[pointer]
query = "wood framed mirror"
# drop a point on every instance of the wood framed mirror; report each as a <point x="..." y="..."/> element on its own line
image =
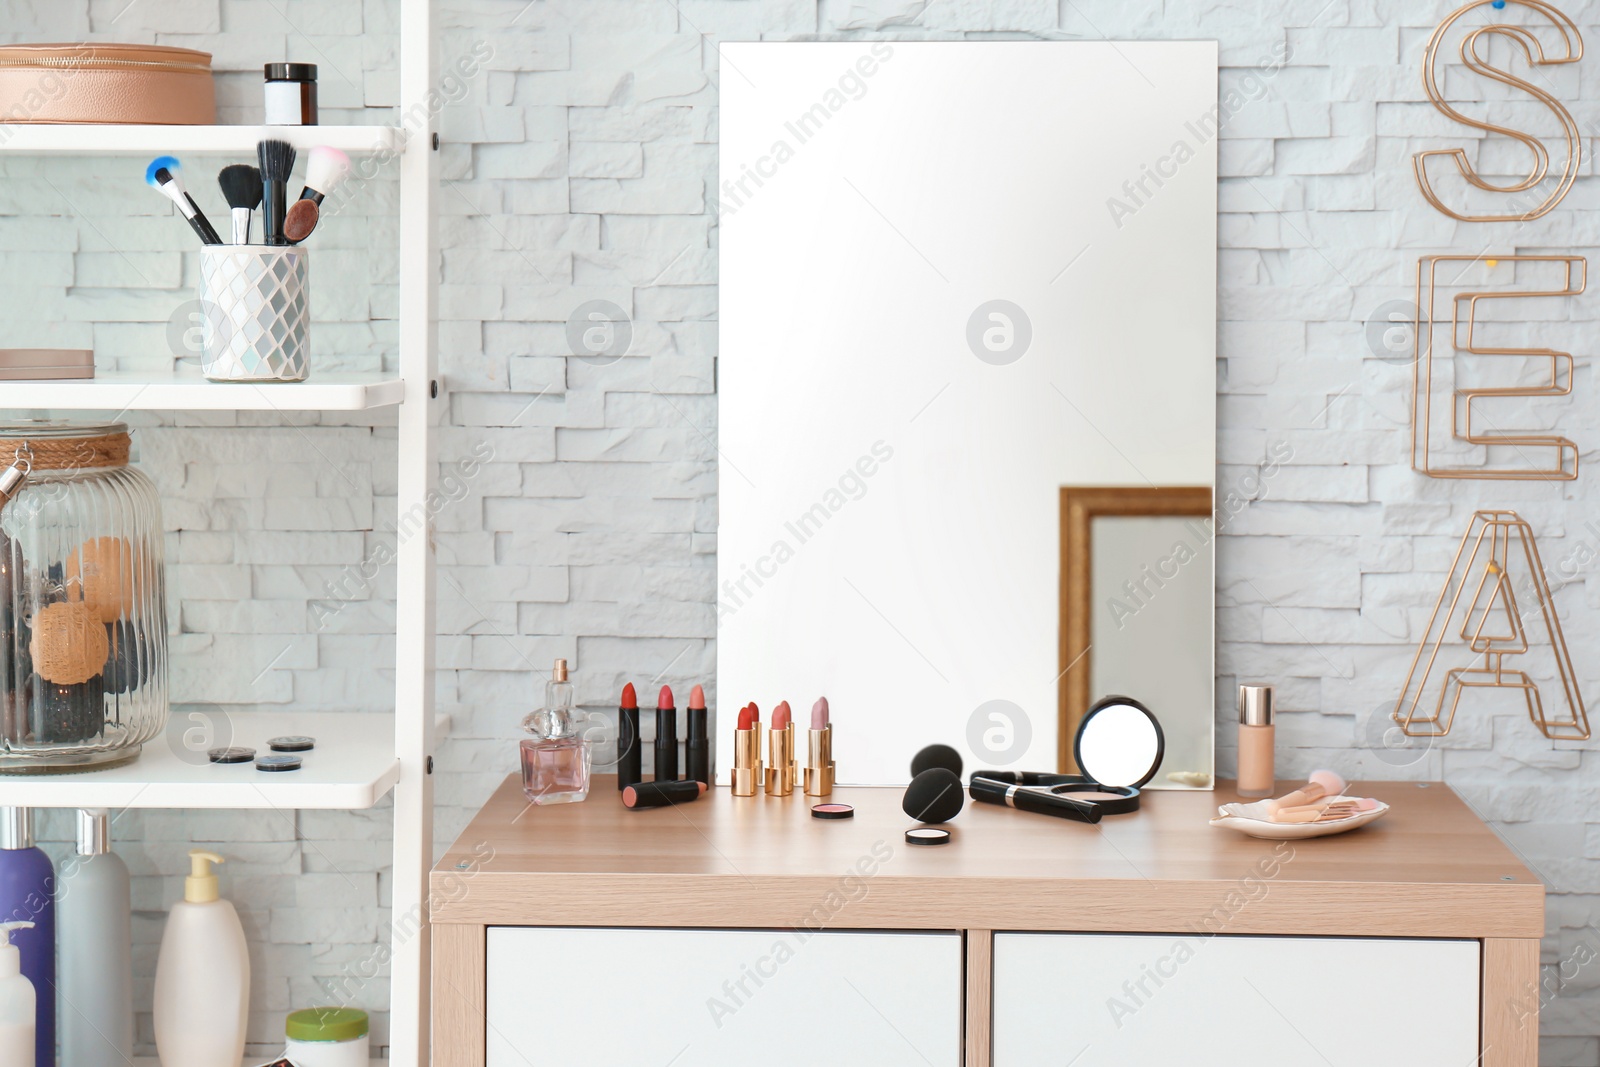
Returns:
<point x="1137" y="616"/>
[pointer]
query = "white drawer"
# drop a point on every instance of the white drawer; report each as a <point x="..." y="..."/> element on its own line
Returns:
<point x="722" y="998"/>
<point x="1108" y="1000"/>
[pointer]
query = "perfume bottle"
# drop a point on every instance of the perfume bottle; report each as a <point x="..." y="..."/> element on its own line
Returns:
<point x="555" y="757"/>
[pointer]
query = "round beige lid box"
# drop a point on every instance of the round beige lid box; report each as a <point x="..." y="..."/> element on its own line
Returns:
<point x="104" y="82"/>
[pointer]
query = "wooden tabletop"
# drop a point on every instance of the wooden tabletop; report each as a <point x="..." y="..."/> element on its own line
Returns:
<point x="1428" y="868"/>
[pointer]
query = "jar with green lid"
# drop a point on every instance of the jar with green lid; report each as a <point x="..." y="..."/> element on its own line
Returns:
<point x="327" y="1037"/>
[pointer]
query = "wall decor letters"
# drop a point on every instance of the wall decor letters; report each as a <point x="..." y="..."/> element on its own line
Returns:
<point x="1478" y="606"/>
<point x="1474" y="53"/>
<point x="1467" y="377"/>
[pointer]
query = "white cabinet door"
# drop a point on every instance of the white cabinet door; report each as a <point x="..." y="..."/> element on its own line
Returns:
<point x="1109" y="1000"/>
<point x="722" y="998"/>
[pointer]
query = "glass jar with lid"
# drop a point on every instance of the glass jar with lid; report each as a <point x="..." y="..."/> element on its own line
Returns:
<point x="83" y="631"/>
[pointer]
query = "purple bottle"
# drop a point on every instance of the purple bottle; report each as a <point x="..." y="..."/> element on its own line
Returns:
<point x="28" y="893"/>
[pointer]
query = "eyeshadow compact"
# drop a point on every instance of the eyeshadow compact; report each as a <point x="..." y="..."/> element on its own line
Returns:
<point x="1118" y="748"/>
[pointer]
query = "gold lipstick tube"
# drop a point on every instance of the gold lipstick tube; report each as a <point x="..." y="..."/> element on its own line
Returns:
<point x="819" y="771"/>
<point x="747" y="762"/>
<point x="781" y="768"/>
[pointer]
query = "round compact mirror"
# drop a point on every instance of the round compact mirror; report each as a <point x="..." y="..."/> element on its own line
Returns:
<point x="1119" y="742"/>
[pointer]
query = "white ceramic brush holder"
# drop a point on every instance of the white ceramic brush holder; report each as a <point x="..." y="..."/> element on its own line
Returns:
<point x="257" y="313"/>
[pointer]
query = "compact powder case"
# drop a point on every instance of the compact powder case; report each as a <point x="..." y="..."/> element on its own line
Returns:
<point x="1118" y="748"/>
<point x="1119" y="742"/>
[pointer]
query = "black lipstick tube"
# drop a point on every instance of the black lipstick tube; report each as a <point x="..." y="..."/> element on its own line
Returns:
<point x="697" y="749"/>
<point x="666" y="744"/>
<point x="660" y="794"/>
<point x="629" y="750"/>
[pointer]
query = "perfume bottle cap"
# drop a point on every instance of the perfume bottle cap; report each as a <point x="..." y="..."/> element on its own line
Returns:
<point x="1255" y="705"/>
<point x="560" y="673"/>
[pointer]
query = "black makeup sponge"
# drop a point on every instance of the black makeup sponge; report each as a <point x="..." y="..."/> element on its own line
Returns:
<point x="936" y="756"/>
<point x="935" y="795"/>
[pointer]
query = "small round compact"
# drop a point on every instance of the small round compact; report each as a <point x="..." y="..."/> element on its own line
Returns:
<point x="927" y="835"/>
<point x="231" y="754"/>
<point x="1119" y="742"/>
<point x="292" y="744"/>
<point x="277" y="763"/>
<point x="832" y="811"/>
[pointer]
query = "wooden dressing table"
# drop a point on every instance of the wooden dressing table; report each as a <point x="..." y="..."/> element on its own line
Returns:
<point x="740" y="930"/>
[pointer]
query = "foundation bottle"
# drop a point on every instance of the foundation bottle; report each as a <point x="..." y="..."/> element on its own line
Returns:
<point x="1256" y="729"/>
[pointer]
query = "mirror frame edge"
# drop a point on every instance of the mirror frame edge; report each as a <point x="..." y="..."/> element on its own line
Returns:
<point x="1080" y="506"/>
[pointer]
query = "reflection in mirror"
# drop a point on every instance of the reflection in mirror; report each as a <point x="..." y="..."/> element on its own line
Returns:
<point x="1119" y="744"/>
<point x="937" y="306"/>
<point x="1136" y="615"/>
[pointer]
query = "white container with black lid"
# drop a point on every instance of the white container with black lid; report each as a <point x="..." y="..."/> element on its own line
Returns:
<point x="291" y="94"/>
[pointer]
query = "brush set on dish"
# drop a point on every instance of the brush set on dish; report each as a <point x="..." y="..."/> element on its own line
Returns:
<point x="264" y="186"/>
<point x="1316" y="809"/>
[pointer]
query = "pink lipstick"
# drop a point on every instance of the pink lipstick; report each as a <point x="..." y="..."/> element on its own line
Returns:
<point x="781" y="771"/>
<point x="819" y="769"/>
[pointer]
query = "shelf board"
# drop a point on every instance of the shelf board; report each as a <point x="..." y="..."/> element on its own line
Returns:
<point x="249" y="1061"/>
<point x="185" y="390"/>
<point x="353" y="766"/>
<point x="100" y="139"/>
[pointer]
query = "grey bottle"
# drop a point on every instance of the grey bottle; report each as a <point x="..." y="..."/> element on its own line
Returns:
<point x="95" y="945"/>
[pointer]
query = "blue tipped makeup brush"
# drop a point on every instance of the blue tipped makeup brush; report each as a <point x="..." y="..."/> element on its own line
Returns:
<point x="162" y="174"/>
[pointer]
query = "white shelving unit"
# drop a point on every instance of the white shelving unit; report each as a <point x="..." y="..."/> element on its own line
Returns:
<point x="360" y="757"/>
<point x="186" y="390"/>
<point x="74" y="140"/>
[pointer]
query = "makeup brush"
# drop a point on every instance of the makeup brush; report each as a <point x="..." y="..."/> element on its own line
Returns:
<point x="326" y="170"/>
<point x="241" y="188"/>
<point x="277" y="160"/>
<point x="162" y="175"/>
<point x="1320" y="784"/>
<point x="301" y="220"/>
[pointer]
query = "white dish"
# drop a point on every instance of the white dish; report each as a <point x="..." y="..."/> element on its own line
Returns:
<point x="1243" y="818"/>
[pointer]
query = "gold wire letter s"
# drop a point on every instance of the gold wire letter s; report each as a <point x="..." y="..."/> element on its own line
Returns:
<point x="1473" y="48"/>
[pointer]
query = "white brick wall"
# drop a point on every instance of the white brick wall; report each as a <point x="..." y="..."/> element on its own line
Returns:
<point x="577" y="166"/>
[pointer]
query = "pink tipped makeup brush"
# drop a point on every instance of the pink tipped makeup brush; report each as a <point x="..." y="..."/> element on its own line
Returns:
<point x="1321" y="784"/>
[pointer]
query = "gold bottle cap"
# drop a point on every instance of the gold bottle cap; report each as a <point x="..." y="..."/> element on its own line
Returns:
<point x="1255" y="705"/>
<point x="560" y="673"/>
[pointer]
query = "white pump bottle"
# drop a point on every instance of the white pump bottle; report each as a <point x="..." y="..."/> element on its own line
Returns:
<point x="202" y="976"/>
<point x="18" y="1003"/>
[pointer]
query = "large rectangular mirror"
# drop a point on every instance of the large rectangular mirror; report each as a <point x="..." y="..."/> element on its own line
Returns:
<point x="955" y="278"/>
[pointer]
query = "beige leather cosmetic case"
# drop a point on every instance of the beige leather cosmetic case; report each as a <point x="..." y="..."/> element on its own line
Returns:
<point x="120" y="83"/>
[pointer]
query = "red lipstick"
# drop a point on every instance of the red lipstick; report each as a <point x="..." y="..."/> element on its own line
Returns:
<point x="629" y="751"/>
<point x="697" y="748"/>
<point x="666" y="737"/>
<point x="747" y="752"/>
<point x="819" y="769"/>
<point x="781" y="770"/>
